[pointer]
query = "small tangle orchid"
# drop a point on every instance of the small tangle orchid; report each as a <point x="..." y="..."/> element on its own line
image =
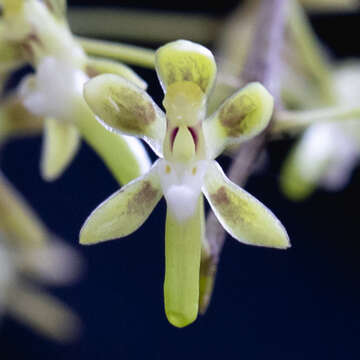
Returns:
<point x="187" y="144"/>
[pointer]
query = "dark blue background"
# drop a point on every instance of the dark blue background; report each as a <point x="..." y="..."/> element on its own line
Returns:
<point x="298" y="304"/>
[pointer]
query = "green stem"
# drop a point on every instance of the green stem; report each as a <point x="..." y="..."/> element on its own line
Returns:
<point x="261" y="65"/>
<point x="295" y="121"/>
<point x="126" y="53"/>
<point x="311" y="51"/>
<point x="144" y="26"/>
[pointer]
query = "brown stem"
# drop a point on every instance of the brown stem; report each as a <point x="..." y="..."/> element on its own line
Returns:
<point x="262" y="65"/>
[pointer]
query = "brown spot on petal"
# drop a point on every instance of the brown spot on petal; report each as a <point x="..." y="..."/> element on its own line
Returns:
<point x="91" y="71"/>
<point x="220" y="197"/>
<point x="139" y="204"/>
<point x="132" y="113"/>
<point x="233" y="115"/>
<point x="232" y="207"/>
<point x="49" y="5"/>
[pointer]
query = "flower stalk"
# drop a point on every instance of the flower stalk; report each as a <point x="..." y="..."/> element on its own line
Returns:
<point x="129" y="54"/>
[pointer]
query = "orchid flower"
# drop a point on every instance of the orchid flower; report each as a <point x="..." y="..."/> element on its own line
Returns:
<point x="328" y="151"/>
<point x="30" y="257"/>
<point x="54" y="92"/>
<point x="187" y="145"/>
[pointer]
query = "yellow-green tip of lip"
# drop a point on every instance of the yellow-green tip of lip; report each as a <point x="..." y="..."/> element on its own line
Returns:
<point x="181" y="320"/>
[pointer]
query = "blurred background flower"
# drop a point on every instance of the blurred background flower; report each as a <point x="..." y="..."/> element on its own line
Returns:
<point x="29" y="257"/>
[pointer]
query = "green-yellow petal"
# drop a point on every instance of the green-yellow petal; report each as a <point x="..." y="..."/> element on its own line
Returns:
<point x="125" y="107"/>
<point x="183" y="60"/>
<point x="293" y="185"/>
<point x="104" y="66"/>
<point x="241" y="117"/>
<point x="60" y="145"/>
<point x="17" y="220"/>
<point x="183" y="241"/>
<point x="242" y="216"/>
<point x="124" y="212"/>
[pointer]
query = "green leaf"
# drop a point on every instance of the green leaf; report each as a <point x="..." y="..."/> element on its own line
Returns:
<point x="184" y="60"/>
<point x="17" y="220"/>
<point x="183" y="252"/>
<point x="241" y="117"/>
<point x="124" y="212"/>
<point x="104" y="66"/>
<point x="61" y="142"/>
<point x="125" y="107"/>
<point x="242" y="216"/>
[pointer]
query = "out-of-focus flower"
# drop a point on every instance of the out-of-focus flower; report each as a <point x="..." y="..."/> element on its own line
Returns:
<point x="30" y="258"/>
<point x="187" y="145"/>
<point x="313" y="91"/>
<point x="40" y="32"/>
<point x="330" y="5"/>
<point x="16" y="121"/>
<point x="304" y="76"/>
<point x="10" y="58"/>
<point x="327" y="152"/>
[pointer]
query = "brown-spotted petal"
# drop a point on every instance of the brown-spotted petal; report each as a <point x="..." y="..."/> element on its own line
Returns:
<point x="241" y="117"/>
<point x="125" y="211"/>
<point x="123" y="106"/>
<point x="242" y="216"/>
